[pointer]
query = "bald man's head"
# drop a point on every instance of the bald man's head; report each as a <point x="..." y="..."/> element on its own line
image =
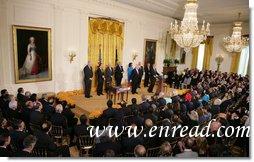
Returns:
<point x="140" y="151"/>
<point x="166" y="148"/>
<point x="148" y="123"/>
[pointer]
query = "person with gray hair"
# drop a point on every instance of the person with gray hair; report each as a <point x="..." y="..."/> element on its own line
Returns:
<point x="58" y="119"/>
<point x="144" y="105"/>
<point x="28" y="144"/>
<point x="36" y="116"/>
<point x="166" y="149"/>
<point x="186" y="149"/>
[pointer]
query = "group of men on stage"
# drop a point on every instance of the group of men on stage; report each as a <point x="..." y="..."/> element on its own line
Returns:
<point x="150" y="77"/>
<point x="106" y="77"/>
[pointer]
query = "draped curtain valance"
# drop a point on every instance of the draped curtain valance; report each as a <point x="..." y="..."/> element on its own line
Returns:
<point x="106" y="26"/>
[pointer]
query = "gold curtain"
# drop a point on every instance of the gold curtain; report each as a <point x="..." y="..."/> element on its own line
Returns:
<point x="194" y="57"/>
<point x="173" y="48"/>
<point x="108" y="35"/>
<point x="235" y="62"/>
<point x="208" y="52"/>
<point x="105" y="36"/>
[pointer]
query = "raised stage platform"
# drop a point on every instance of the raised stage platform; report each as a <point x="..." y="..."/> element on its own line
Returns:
<point x="95" y="105"/>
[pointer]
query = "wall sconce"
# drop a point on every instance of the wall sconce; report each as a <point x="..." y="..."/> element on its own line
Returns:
<point x="134" y="55"/>
<point x="72" y="55"/>
<point x="219" y="59"/>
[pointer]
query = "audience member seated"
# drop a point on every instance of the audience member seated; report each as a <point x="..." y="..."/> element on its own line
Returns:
<point x="18" y="134"/>
<point x="45" y="141"/>
<point x="166" y="149"/>
<point x="81" y="129"/>
<point x="48" y="109"/>
<point x="105" y="144"/>
<point x="4" y="102"/>
<point x="144" y="105"/>
<point x="109" y="153"/>
<point x="140" y="151"/>
<point x="25" y="113"/>
<point x="13" y="112"/>
<point x="36" y="116"/>
<point x="28" y="146"/>
<point x="21" y="98"/>
<point x="129" y="143"/>
<point x="58" y="119"/>
<point x="150" y="113"/>
<point x="186" y="149"/>
<point x="133" y="106"/>
<point x="161" y="100"/>
<point x="110" y="112"/>
<point x="4" y="127"/>
<point x="69" y="115"/>
<point x="5" y="140"/>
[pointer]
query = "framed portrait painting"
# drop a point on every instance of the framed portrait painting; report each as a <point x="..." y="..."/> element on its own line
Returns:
<point x="150" y="51"/>
<point x="182" y="56"/>
<point x="32" y="54"/>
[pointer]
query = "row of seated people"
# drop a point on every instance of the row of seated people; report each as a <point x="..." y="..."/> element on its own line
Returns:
<point x="224" y="97"/>
<point x="195" y="77"/>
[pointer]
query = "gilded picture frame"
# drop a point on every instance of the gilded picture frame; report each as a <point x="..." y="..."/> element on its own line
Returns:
<point x="32" y="54"/>
<point x="150" y="46"/>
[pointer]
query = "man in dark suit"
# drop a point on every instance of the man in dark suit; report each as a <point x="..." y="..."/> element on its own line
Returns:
<point x="5" y="140"/>
<point x="144" y="105"/>
<point x="141" y="72"/>
<point x="135" y="80"/>
<point x="25" y="113"/>
<point x="58" y="119"/>
<point x="118" y="74"/>
<point x="69" y="115"/>
<point x="109" y="72"/>
<point x="133" y="106"/>
<point x="18" y="134"/>
<point x="110" y="112"/>
<point x="48" y="108"/>
<point x="147" y="74"/>
<point x="4" y="102"/>
<point x="100" y="79"/>
<point x="129" y="143"/>
<point x="105" y="144"/>
<point x="36" y="116"/>
<point x="153" y="75"/>
<point x="45" y="141"/>
<point x="28" y="146"/>
<point x="81" y="129"/>
<point x="21" y="98"/>
<point x="88" y="76"/>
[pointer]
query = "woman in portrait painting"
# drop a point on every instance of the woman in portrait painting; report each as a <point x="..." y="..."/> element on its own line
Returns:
<point x="31" y="64"/>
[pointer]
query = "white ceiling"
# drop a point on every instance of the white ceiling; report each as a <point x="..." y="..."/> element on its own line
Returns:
<point x="213" y="11"/>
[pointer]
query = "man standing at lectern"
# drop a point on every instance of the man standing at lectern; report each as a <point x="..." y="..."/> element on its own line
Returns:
<point x="88" y="76"/>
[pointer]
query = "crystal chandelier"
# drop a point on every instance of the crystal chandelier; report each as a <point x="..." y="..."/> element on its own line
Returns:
<point x="235" y="42"/>
<point x="188" y="35"/>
